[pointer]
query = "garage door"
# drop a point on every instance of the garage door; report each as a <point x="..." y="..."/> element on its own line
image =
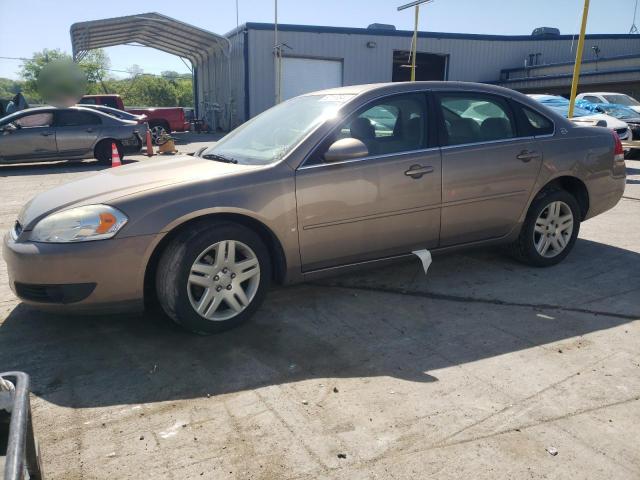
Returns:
<point x="303" y="75"/>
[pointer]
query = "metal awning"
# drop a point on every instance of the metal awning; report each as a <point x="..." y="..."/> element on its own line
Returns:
<point x="148" y="29"/>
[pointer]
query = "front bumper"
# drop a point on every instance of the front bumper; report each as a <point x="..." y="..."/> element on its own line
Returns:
<point x="99" y="276"/>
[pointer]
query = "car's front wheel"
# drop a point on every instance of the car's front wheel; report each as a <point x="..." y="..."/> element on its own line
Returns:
<point x="550" y="229"/>
<point x="213" y="277"/>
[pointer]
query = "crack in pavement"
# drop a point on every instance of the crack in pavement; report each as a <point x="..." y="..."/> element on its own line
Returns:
<point x="486" y="301"/>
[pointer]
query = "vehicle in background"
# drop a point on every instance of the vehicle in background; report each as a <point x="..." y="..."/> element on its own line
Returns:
<point x="310" y="188"/>
<point x="160" y="119"/>
<point x="621" y="112"/>
<point x="74" y="133"/>
<point x="611" y="97"/>
<point x="114" y="112"/>
<point x="582" y="116"/>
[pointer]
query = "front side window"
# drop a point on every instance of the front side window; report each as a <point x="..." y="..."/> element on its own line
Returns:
<point x="35" y="120"/>
<point x="473" y="118"/>
<point x="395" y="124"/>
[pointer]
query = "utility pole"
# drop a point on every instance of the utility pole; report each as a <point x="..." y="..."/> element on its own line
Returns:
<point x="277" y="49"/>
<point x="414" y="41"/>
<point x="578" y="64"/>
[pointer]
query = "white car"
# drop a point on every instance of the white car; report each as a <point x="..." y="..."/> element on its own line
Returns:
<point x="611" y="97"/>
<point x="582" y="116"/>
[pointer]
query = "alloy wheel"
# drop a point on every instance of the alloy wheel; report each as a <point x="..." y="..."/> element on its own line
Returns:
<point x="156" y="132"/>
<point x="553" y="229"/>
<point x="223" y="280"/>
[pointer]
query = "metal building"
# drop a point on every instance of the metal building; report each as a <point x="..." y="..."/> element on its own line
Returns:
<point x="235" y="74"/>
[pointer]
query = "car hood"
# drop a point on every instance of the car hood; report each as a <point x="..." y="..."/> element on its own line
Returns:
<point x="118" y="182"/>
<point x="612" y="122"/>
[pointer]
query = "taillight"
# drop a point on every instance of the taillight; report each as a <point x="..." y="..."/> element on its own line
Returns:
<point x="618" y="151"/>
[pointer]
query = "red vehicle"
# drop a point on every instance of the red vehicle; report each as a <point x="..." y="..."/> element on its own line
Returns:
<point x="160" y="119"/>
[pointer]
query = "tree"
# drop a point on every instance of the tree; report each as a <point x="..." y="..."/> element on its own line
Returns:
<point x="95" y="65"/>
<point x="31" y="69"/>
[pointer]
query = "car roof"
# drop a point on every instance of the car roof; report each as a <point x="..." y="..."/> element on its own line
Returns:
<point x="603" y="93"/>
<point x="51" y="109"/>
<point x="404" y="86"/>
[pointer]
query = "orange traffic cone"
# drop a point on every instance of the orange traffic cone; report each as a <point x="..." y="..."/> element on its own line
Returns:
<point x="115" y="156"/>
<point x="149" y="144"/>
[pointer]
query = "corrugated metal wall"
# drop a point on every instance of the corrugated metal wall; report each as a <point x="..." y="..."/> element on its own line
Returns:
<point x="220" y="83"/>
<point x="469" y="59"/>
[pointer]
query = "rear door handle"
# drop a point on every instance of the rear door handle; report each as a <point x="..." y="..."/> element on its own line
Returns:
<point x="417" y="171"/>
<point x="527" y="155"/>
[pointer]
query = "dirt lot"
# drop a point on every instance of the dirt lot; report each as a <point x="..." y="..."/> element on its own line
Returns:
<point x="471" y="372"/>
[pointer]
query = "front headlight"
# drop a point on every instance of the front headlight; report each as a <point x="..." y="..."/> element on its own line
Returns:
<point x="81" y="224"/>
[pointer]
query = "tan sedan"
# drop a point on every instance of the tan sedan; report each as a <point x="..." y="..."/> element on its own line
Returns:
<point x="317" y="185"/>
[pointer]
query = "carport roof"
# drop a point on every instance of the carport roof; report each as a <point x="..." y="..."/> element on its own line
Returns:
<point x="148" y="29"/>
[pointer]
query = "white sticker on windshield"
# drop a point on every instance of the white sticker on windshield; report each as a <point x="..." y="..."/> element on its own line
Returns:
<point x="336" y="98"/>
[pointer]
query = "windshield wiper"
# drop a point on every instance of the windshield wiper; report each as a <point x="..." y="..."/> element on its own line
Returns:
<point x="219" y="158"/>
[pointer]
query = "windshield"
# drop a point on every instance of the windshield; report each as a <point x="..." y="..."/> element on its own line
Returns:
<point x="622" y="100"/>
<point x="271" y="135"/>
<point x="561" y="105"/>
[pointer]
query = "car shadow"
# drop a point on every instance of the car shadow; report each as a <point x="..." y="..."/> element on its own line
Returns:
<point x="387" y="322"/>
<point x="49" y="168"/>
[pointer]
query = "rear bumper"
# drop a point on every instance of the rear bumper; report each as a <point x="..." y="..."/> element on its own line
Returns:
<point x="92" y="277"/>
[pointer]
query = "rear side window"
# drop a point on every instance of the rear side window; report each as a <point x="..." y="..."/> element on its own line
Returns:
<point x="536" y="123"/>
<point x="72" y="118"/>
<point x="592" y="99"/>
<point x="109" y="102"/>
<point x="475" y="118"/>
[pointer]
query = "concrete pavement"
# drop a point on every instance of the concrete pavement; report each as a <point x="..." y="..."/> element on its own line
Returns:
<point x="475" y="371"/>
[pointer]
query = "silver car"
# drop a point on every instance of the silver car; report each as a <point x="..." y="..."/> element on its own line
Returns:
<point x="318" y="185"/>
<point x="75" y="133"/>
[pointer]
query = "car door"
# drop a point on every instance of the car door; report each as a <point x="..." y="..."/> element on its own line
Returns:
<point x="383" y="204"/>
<point x="488" y="167"/>
<point x="29" y="137"/>
<point x="76" y="132"/>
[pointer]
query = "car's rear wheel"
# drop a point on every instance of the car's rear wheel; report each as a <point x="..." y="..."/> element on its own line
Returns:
<point x="213" y="277"/>
<point x="550" y="229"/>
<point x="157" y="130"/>
<point x="102" y="151"/>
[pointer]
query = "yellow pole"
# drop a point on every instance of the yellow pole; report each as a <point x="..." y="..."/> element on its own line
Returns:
<point x="414" y="45"/>
<point x="576" y="66"/>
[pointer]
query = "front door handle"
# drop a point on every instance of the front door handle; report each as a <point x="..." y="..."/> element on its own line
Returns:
<point x="89" y="130"/>
<point x="417" y="171"/>
<point x="527" y="155"/>
<point x="46" y="134"/>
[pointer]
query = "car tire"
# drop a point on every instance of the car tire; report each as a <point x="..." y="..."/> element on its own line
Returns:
<point x="102" y="151"/>
<point x="547" y="224"/>
<point x="196" y="271"/>
<point x="157" y="130"/>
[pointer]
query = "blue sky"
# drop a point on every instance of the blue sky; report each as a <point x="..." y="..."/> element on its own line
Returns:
<point x="45" y="23"/>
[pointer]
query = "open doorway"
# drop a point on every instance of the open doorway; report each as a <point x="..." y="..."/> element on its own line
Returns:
<point x="429" y="66"/>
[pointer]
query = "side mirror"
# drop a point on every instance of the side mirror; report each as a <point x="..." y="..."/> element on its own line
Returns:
<point x="601" y="123"/>
<point x="346" y="149"/>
